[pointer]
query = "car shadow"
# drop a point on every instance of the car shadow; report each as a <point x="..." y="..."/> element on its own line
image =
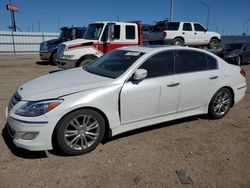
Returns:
<point x="23" y="153"/>
<point x="153" y="127"/>
<point x="45" y="63"/>
<point x="20" y="152"/>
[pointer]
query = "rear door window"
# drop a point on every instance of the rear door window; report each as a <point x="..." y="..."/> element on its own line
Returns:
<point x="130" y="32"/>
<point x="190" y="61"/>
<point x="173" y="26"/>
<point x="187" y="27"/>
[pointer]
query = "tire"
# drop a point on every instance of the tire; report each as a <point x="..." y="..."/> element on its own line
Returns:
<point x="79" y="132"/>
<point x="53" y="59"/>
<point x="178" y="42"/>
<point x="220" y="104"/>
<point x="239" y="60"/>
<point x="85" y="62"/>
<point x="214" y="42"/>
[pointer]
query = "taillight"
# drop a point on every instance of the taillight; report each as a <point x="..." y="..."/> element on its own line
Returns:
<point x="165" y="34"/>
<point x="243" y="73"/>
<point x="72" y="46"/>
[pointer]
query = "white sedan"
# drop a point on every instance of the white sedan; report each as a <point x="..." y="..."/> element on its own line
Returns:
<point x="126" y="89"/>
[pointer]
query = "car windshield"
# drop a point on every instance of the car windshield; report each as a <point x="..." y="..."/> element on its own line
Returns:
<point x="113" y="64"/>
<point x="93" y="32"/>
<point x="235" y="46"/>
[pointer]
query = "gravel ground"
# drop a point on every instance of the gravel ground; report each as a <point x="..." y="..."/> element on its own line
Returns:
<point x="213" y="153"/>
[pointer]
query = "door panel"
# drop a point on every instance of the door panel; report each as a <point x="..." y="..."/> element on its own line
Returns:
<point x="196" y="89"/>
<point x="170" y="93"/>
<point x="139" y="100"/>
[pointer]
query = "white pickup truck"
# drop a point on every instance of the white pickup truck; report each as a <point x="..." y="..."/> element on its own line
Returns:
<point x="183" y="33"/>
<point x="100" y="37"/>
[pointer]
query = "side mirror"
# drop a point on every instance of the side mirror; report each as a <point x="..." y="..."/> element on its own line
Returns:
<point x="111" y="31"/>
<point x="140" y="74"/>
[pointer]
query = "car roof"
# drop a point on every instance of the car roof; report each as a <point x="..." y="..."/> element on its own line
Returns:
<point x="158" y="48"/>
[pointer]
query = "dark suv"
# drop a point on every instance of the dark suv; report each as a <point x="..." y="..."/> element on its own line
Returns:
<point x="48" y="48"/>
<point x="237" y="53"/>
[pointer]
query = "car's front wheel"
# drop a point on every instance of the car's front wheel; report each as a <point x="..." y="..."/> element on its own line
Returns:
<point x="220" y="104"/>
<point x="80" y="132"/>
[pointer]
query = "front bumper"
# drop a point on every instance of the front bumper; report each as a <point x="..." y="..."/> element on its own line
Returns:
<point x="66" y="64"/>
<point x="41" y="130"/>
<point x="45" y="55"/>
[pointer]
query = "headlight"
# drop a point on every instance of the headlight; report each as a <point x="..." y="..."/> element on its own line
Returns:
<point x="68" y="56"/>
<point x="32" y="109"/>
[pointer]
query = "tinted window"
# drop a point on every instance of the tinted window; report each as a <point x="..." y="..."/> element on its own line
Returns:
<point x="211" y="62"/>
<point x="190" y="61"/>
<point x="130" y="32"/>
<point x="161" y="64"/>
<point x="198" y="27"/>
<point x="173" y="26"/>
<point x="117" y="32"/>
<point x="187" y="27"/>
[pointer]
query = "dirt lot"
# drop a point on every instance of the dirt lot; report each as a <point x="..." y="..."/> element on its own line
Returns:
<point x="212" y="153"/>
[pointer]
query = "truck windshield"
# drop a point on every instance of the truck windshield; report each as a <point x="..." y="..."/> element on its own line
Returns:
<point x="113" y="64"/>
<point x="64" y="34"/>
<point x="93" y="32"/>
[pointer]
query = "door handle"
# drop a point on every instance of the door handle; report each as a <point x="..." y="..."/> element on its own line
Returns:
<point x="173" y="84"/>
<point x="183" y="32"/>
<point x="195" y="33"/>
<point x="213" y="77"/>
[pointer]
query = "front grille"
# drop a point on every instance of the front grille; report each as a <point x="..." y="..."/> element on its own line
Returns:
<point x="14" y="100"/>
<point x="60" y="51"/>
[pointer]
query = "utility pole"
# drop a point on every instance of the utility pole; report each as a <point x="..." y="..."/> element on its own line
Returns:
<point x="244" y="25"/>
<point x="171" y="10"/>
<point x="38" y="23"/>
<point x="208" y="12"/>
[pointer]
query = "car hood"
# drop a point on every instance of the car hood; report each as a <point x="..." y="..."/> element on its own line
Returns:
<point x="61" y="83"/>
<point x="78" y="41"/>
<point x="54" y="41"/>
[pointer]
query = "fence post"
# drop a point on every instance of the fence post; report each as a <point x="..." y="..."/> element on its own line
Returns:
<point x="43" y="36"/>
<point x="13" y="42"/>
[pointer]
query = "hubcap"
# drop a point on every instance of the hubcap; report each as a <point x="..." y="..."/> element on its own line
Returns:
<point x="221" y="103"/>
<point x="81" y="132"/>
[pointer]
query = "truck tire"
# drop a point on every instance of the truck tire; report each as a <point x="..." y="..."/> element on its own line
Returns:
<point x="85" y="61"/>
<point x="214" y="42"/>
<point x="178" y="41"/>
<point x="53" y="58"/>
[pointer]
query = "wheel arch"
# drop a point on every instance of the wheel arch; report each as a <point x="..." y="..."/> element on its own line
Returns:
<point x="180" y="37"/>
<point x="108" y="131"/>
<point x="215" y="37"/>
<point x="85" y="57"/>
<point x="54" y="51"/>
<point x="231" y="91"/>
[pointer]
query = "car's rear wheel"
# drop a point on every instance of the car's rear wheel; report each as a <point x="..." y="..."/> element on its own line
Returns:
<point x="178" y="42"/>
<point x="80" y="132"/>
<point x="220" y="104"/>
